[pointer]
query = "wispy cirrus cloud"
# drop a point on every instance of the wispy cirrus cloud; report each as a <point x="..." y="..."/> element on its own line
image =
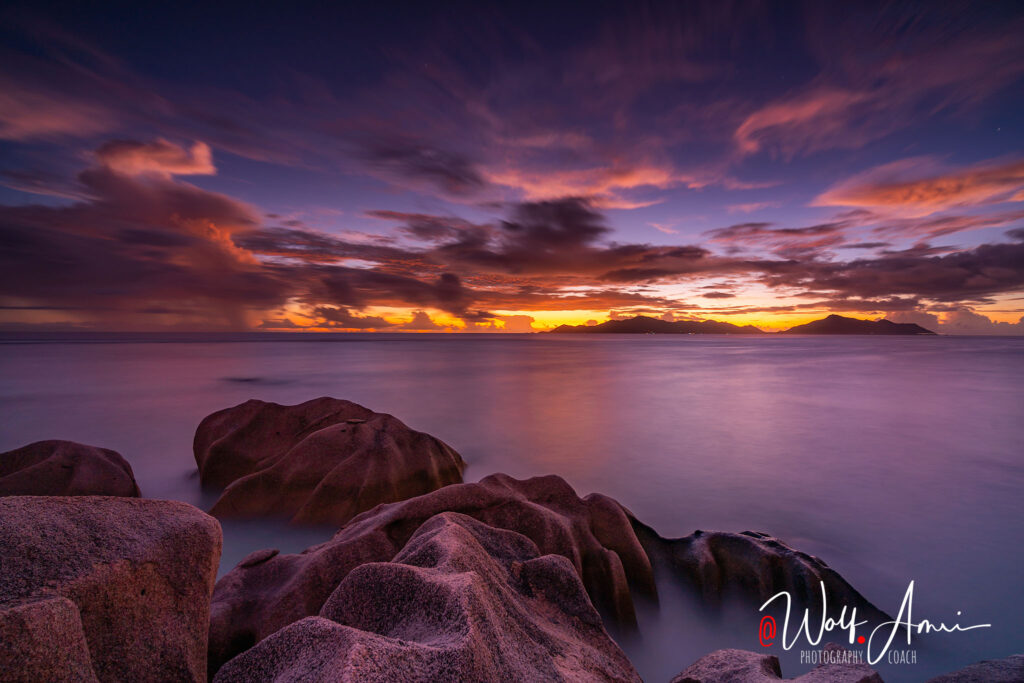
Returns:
<point x="920" y="187"/>
<point x="877" y="77"/>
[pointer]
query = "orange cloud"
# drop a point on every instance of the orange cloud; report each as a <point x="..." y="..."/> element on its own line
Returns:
<point x="27" y="114"/>
<point x="159" y="157"/>
<point x="605" y="185"/>
<point x="906" y="188"/>
<point x="807" y="121"/>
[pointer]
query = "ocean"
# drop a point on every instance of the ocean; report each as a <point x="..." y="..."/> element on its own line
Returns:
<point x="894" y="459"/>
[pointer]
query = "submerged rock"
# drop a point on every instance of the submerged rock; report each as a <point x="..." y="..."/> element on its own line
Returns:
<point x="742" y="666"/>
<point x="136" y="574"/>
<point x="751" y="566"/>
<point x="65" y="468"/>
<point x="1008" y="670"/>
<point x="320" y="462"/>
<point x="461" y="601"/>
<point x="266" y="592"/>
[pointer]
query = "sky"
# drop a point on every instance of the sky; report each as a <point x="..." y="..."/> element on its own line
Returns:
<point x="478" y="167"/>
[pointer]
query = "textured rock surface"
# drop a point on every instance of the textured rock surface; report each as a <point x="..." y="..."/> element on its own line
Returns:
<point x="65" y="468"/>
<point x="1008" y="670"/>
<point x="462" y="601"/>
<point x="42" y="640"/>
<point x="742" y="666"/>
<point x="319" y="462"/>
<point x="266" y="592"/>
<point x="139" y="572"/>
<point x="752" y="566"/>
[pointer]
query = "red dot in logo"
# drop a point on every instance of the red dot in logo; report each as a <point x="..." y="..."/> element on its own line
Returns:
<point x="860" y="639"/>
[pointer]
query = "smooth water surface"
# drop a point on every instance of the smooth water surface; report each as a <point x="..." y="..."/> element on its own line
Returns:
<point x="893" y="459"/>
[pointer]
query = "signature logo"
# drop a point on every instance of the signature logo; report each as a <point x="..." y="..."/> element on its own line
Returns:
<point x="766" y="632"/>
<point x="878" y="641"/>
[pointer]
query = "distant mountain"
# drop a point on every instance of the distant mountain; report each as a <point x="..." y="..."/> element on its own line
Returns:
<point x="837" y="324"/>
<point x="642" y="324"/>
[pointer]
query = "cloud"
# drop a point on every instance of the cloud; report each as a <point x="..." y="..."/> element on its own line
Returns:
<point x="333" y="316"/>
<point x="422" y="322"/>
<point x="668" y="230"/>
<point x="449" y="172"/>
<point x="160" y="157"/>
<point x="606" y="187"/>
<point x="959" y="320"/>
<point x="884" y="71"/>
<point x="751" y="207"/>
<point x="912" y="187"/>
<point x="790" y="243"/>
<point x="29" y="113"/>
<point x="966" y="321"/>
<point x="279" y="324"/>
<point x="138" y="243"/>
<point x="971" y="274"/>
<point x="807" y="122"/>
<point x="146" y="248"/>
<point x="518" y="323"/>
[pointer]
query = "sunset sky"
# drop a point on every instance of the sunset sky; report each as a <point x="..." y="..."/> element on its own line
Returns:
<point x="479" y="167"/>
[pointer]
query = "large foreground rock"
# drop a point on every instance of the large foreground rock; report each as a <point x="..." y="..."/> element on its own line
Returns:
<point x="320" y="462"/>
<point x="462" y="601"/>
<point x="65" y="468"/>
<point x="742" y="666"/>
<point x="42" y="640"/>
<point x="1008" y="670"/>
<point x="754" y="567"/>
<point x="268" y="591"/>
<point x="131" y="577"/>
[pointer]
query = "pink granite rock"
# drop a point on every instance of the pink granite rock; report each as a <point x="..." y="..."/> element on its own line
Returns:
<point x="42" y="640"/>
<point x="752" y="566"/>
<point x="266" y="592"/>
<point x="462" y="601"/>
<point x="140" y="573"/>
<point x="65" y="468"/>
<point x="742" y="666"/>
<point x="320" y="462"/>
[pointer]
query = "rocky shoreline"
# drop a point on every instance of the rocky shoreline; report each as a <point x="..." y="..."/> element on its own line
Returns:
<point x="427" y="578"/>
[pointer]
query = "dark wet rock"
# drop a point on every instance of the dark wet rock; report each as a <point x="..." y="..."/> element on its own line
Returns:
<point x="65" y="468"/>
<point x="752" y="566"/>
<point x="138" y="572"/>
<point x="742" y="666"/>
<point x="462" y="601"/>
<point x="42" y="640"/>
<point x="1008" y="670"/>
<point x="593" y="533"/>
<point x="320" y="462"/>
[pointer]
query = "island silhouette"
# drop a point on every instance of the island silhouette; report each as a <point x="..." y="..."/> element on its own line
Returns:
<point x="837" y="324"/>
<point x="833" y="324"/>
<point x="643" y="324"/>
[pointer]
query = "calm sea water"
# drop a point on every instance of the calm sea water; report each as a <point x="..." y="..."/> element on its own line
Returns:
<point x="893" y="459"/>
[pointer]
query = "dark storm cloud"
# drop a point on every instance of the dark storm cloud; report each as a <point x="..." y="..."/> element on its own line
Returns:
<point x="961" y="276"/>
<point x="342" y="317"/>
